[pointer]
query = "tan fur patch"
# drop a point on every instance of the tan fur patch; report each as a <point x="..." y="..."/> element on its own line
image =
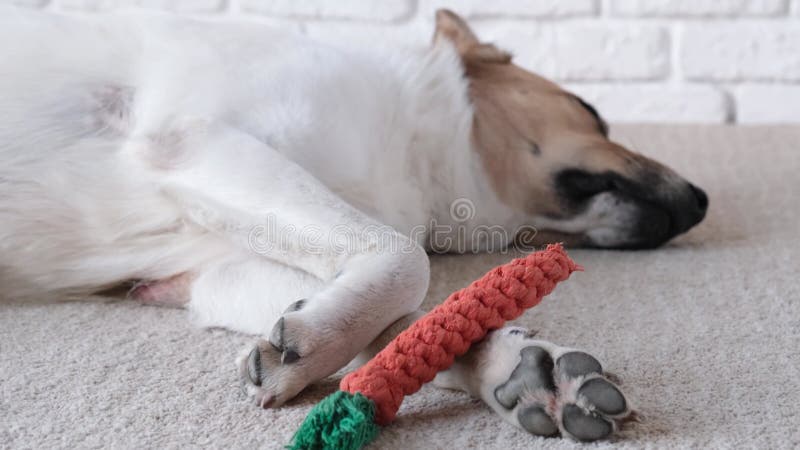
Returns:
<point x="526" y="128"/>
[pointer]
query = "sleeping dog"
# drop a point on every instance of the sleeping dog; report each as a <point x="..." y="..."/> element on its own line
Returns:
<point x="289" y="188"/>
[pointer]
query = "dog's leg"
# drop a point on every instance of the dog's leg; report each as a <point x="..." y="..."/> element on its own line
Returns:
<point x="249" y="293"/>
<point x="172" y="292"/>
<point x="533" y="384"/>
<point x="238" y="187"/>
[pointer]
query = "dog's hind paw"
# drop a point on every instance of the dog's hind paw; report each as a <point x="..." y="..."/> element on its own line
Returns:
<point x="542" y="388"/>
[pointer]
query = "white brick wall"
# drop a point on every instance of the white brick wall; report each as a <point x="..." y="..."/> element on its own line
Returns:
<point x="768" y="103"/>
<point x="742" y="52"/>
<point x="698" y="8"/>
<point x="707" y="61"/>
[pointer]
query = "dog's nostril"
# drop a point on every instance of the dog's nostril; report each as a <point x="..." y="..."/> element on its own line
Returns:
<point x="254" y="366"/>
<point x="700" y="195"/>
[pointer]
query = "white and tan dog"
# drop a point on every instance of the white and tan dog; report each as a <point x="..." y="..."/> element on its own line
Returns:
<point x="236" y="169"/>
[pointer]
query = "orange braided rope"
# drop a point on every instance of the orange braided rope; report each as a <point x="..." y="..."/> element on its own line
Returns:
<point x="431" y="344"/>
<point x="373" y="394"/>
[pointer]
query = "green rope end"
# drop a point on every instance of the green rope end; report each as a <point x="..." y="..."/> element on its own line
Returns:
<point x="341" y="421"/>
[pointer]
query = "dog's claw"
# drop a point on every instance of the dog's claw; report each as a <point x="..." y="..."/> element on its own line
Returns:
<point x="276" y="336"/>
<point x="254" y="366"/>
<point x="276" y="339"/>
<point x="266" y="401"/>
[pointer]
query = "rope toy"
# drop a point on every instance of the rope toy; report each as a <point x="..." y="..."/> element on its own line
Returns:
<point x="371" y="395"/>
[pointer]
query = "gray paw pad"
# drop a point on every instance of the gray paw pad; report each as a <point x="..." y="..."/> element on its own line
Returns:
<point x="604" y="396"/>
<point x="576" y="364"/>
<point x="534" y="371"/>
<point x="536" y="421"/>
<point x="585" y="426"/>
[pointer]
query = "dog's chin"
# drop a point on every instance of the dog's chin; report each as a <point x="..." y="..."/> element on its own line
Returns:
<point x="651" y="230"/>
<point x="544" y="237"/>
<point x="601" y="238"/>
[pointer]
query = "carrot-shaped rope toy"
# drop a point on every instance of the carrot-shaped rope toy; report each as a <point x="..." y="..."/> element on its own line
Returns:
<point x="371" y="395"/>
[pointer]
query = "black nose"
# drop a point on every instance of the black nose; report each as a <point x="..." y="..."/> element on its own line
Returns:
<point x="689" y="210"/>
<point x="700" y="195"/>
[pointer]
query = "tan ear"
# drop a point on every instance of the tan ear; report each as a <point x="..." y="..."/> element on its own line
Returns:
<point x="451" y="27"/>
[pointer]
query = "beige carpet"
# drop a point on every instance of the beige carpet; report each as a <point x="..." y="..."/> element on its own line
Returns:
<point x="705" y="333"/>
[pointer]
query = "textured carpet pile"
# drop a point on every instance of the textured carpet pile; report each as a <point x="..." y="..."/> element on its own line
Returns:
<point x="705" y="334"/>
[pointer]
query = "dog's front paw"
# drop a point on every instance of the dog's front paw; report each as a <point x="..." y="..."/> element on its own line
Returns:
<point x="277" y="369"/>
<point x="266" y="377"/>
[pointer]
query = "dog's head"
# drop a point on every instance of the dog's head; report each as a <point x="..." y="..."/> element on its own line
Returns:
<point x="548" y="155"/>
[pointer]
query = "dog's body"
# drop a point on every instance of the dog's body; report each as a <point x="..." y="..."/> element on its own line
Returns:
<point x="242" y="169"/>
<point x="117" y="99"/>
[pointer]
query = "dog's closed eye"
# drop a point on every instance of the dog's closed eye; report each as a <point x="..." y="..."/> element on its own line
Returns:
<point x="578" y="185"/>
<point x="534" y="148"/>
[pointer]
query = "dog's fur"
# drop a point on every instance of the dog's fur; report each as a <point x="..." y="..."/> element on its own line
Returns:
<point x="238" y="169"/>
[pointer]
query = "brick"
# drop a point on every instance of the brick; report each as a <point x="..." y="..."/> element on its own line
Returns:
<point x="774" y="103"/>
<point x="618" y="53"/>
<point x="511" y="8"/>
<point x="698" y="8"/>
<point x="738" y="51"/>
<point x="656" y="103"/>
<point x="574" y="52"/>
<point x="383" y="10"/>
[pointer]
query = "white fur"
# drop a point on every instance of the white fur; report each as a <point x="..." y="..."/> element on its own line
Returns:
<point x="96" y="114"/>
<point x="140" y="147"/>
